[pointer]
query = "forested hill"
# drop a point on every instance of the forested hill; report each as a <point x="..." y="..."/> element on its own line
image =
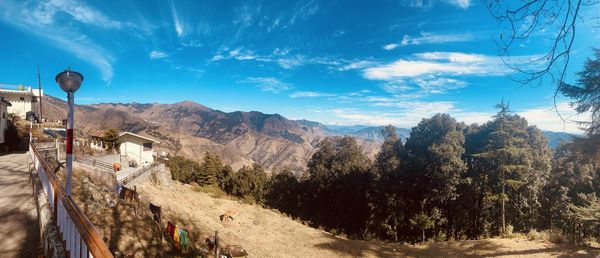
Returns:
<point x="374" y="133"/>
<point x="554" y="138"/>
<point x="447" y="180"/>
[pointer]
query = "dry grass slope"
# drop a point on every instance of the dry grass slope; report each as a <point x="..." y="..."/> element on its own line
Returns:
<point x="262" y="232"/>
<point x="266" y="233"/>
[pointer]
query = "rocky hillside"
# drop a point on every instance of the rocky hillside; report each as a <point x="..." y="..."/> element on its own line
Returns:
<point x="190" y="129"/>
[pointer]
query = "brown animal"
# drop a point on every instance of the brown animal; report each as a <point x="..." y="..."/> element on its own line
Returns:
<point x="127" y="193"/>
<point x="116" y="167"/>
<point x="156" y="212"/>
<point x="210" y="242"/>
<point x="132" y="195"/>
<point x="229" y="214"/>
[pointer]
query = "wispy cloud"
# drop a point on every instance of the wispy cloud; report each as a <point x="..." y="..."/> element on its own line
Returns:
<point x="179" y="28"/>
<point x="436" y="85"/>
<point x="391" y="46"/>
<point x="41" y="23"/>
<point x="303" y="10"/>
<point x="310" y="94"/>
<point x="427" y="4"/>
<point x="281" y="57"/>
<point x="46" y="12"/>
<point x="409" y="113"/>
<point x="156" y="54"/>
<point x="548" y="119"/>
<point x="269" y="84"/>
<point x="357" y="65"/>
<point x="437" y="63"/>
<point x="396" y="86"/>
<point x="430" y="38"/>
<point x="464" y="4"/>
<point x="404" y="113"/>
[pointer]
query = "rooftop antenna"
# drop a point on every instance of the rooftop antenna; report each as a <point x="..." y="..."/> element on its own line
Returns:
<point x="40" y="91"/>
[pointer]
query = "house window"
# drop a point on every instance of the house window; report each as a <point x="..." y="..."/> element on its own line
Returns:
<point x="147" y="146"/>
<point x="33" y="99"/>
<point x="22" y="98"/>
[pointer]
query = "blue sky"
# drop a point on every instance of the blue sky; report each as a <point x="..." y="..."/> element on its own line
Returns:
<point x="336" y="62"/>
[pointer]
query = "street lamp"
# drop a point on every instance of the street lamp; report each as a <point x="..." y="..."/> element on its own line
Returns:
<point x="69" y="81"/>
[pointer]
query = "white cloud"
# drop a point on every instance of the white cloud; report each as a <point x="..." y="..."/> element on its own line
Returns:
<point x="410" y="113"/>
<point x="464" y="4"/>
<point x="357" y="65"/>
<point x="436" y="85"/>
<point x="456" y="57"/>
<point x="282" y="57"/>
<point x="427" y="4"/>
<point x="546" y="118"/>
<point x="390" y="46"/>
<point x="430" y="38"/>
<point x="310" y="94"/>
<point x="304" y="10"/>
<point x="45" y="13"/>
<point x="268" y="84"/>
<point x="406" y="114"/>
<point x="396" y="86"/>
<point x="155" y="54"/>
<point x="40" y="22"/>
<point x="179" y="28"/>
<point x="437" y="63"/>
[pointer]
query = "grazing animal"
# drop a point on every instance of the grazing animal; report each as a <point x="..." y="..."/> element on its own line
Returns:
<point x="156" y="212"/>
<point x="116" y="167"/>
<point x="234" y="251"/>
<point x="230" y="214"/>
<point x="210" y="242"/>
<point x="127" y="193"/>
<point x="132" y="195"/>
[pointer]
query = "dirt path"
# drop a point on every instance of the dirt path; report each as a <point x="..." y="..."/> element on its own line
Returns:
<point x="19" y="228"/>
<point x="266" y="233"/>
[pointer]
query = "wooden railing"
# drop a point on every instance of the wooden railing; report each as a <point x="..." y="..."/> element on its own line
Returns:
<point x="78" y="233"/>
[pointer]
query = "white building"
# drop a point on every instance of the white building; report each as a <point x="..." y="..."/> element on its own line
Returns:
<point x="3" y="118"/>
<point x="22" y="99"/>
<point x="137" y="148"/>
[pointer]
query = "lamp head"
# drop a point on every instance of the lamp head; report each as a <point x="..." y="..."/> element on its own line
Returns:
<point x="69" y="81"/>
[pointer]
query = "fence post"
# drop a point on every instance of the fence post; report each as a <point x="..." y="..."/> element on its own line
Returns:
<point x="216" y="244"/>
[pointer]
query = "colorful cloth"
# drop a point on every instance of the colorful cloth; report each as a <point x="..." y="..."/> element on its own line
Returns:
<point x="183" y="239"/>
<point x="176" y="238"/>
<point x="170" y="229"/>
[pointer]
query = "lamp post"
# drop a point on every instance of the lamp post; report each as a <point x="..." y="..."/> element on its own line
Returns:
<point x="69" y="81"/>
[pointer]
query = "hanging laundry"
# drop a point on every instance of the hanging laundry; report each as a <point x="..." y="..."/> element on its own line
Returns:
<point x="184" y="240"/>
<point x="176" y="238"/>
<point x="170" y="229"/>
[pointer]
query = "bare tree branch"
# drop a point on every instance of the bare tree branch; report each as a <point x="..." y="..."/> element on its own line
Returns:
<point x="521" y="20"/>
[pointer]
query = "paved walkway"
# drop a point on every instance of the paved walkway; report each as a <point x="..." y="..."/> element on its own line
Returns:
<point x="19" y="229"/>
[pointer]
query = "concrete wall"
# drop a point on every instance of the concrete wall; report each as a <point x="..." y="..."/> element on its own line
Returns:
<point x="51" y="240"/>
<point x="3" y="121"/>
<point x="133" y="148"/>
<point x="21" y="107"/>
<point x="163" y="175"/>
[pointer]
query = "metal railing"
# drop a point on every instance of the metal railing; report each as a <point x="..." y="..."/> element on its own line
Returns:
<point x="126" y="180"/>
<point x="78" y="233"/>
<point x="91" y="161"/>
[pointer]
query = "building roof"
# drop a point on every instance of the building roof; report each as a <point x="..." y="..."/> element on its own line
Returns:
<point x="18" y="92"/>
<point x="97" y="134"/>
<point x="2" y="100"/>
<point x="138" y="136"/>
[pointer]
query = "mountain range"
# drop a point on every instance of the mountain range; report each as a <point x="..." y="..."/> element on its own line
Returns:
<point x="239" y="138"/>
